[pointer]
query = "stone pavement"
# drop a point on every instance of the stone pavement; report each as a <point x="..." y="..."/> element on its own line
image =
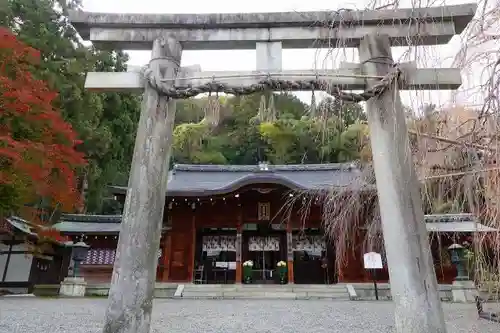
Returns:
<point x="37" y="315"/>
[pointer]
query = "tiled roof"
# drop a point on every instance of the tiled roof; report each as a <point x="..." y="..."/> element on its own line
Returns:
<point x="464" y="222"/>
<point x="110" y="224"/>
<point x="100" y="257"/>
<point x="22" y="225"/>
<point x="82" y="218"/>
<point x="447" y="218"/>
<point x="95" y="224"/>
<point x="89" y="224"/>
<point x="193" y="180"/>
<point x="462" y="226"/>
<point x="105" y="256"/>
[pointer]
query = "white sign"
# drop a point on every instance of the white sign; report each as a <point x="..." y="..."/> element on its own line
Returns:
<point x="373" y="260"/>
<point x="221" y="264"/>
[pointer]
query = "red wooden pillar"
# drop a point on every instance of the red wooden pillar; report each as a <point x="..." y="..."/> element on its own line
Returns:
<point x="239" y="245"/>
<point x="289" y="247"/>
<point x="193" y="248"/>
<point x="167" y="246"/>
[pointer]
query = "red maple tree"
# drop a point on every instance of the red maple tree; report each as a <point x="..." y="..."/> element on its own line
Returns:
<point x="38" y="155"/>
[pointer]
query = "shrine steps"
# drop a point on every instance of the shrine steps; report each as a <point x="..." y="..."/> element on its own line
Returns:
<point x="243" y="291"/>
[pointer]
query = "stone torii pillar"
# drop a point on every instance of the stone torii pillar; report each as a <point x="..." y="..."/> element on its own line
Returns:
<point x="132" y="287"/>
<point x="414" y="287"/>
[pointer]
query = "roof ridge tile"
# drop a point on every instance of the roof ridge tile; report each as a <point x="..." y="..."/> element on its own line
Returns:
<point x="86" y="218"/>
<point x="256" y="168"/>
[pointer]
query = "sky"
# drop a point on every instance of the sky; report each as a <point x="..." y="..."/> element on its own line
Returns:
<point x="292" y="59"/>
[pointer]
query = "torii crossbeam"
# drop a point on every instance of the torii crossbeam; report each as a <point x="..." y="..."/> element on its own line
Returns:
<point x="345" y="78"/>
<point x="327" y="29"/>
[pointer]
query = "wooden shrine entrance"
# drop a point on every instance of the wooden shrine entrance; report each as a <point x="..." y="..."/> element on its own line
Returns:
<point x="265" y="245"/>
<point x="215" y="257"/>
<point x="264" y="269"/>
<point x="313" y="258"/>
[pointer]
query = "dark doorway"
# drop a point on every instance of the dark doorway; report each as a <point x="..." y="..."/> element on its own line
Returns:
<point x="265" y="246"/>
<point x="309" y="268"/>
<point x="264" y="269"/>
<point x="215" y="260"/>
<point x="313" y="259"/>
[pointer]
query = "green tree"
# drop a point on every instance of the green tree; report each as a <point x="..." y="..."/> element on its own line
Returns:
<point x="281" y="140"/>
<point x="106" y="123"/>
<point x="240" y="137"/>
<point x="192" y="144"/>
<point x="346" y="113"/>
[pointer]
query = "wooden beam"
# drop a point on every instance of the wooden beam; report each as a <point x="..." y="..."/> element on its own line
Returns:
<point x="192" y="251"/>
<point x="7" y="261"/>
<point x="289" y="252"/>
<point x="347" y="78"/>
<point x="239" y="248"/>
<point x="167" y="247"/>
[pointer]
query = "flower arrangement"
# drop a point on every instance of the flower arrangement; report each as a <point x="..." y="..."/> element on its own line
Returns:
<point x="282" y="271"/>
<point x="247" y="271"/>
<point x="281" y="263"/>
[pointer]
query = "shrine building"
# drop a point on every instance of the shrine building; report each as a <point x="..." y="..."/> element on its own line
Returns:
<point x="219" y="216"/>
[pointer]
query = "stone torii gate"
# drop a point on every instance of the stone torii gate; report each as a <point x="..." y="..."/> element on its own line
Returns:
<point x="413" y="280"/>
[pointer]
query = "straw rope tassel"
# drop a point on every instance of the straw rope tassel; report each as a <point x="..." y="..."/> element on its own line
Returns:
<point x="271" y="109"/>
<point x="312" y="109"/>
<point x="212" y="112"/>
<point x="262" y="109"/>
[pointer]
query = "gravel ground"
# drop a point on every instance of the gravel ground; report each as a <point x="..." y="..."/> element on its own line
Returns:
<point x="35" y="315"/>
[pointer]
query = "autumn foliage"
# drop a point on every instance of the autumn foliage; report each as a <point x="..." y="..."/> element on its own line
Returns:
<point x="38" y="155"/>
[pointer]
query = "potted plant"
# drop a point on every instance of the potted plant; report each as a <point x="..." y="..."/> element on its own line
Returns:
<point x="282" y="271"/>
<point x="247" y="271"/>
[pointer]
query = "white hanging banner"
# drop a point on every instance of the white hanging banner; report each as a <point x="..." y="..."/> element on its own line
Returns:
<point x="372" y="260"/>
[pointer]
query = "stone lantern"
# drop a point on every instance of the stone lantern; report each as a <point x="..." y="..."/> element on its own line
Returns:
<point x="75" y="286"/>
<point x="457" y="254"/>
<point x="80" y="251"/>
<point x="463" y="290"/>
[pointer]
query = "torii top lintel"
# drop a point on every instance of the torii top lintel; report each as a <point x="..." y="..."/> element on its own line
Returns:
<point x="422" y="26"/>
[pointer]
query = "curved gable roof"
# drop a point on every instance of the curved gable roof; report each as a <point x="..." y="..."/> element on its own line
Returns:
<point x="200" y="180"/>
